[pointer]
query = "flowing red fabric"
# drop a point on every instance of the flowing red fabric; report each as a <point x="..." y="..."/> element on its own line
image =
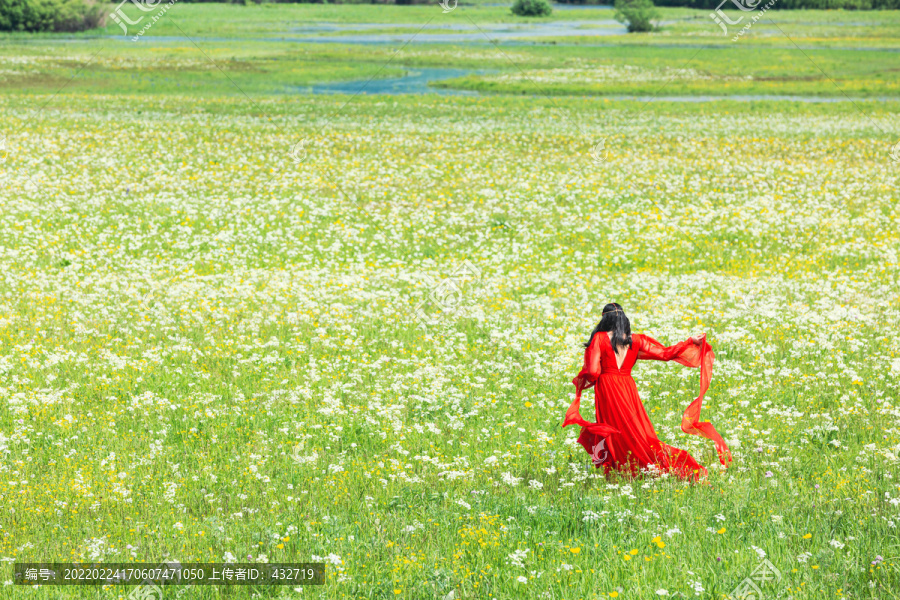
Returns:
<point x="622" y="437"/>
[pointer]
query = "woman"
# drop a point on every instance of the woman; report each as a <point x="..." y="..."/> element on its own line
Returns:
<point x="623" y="437"/>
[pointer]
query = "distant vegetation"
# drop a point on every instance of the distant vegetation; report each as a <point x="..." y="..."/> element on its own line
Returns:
<point x="81" y="15"/>
<point x="50" y="15"/>
<point x="532" y="8"/>
<point x="638" y="15"/>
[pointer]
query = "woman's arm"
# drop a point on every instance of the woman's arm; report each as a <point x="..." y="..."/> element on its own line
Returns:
<point x="687" y="353"/>
<point x="588" y="374"/>
<point x="692" y="352"/>
<point x="585" y="379"/>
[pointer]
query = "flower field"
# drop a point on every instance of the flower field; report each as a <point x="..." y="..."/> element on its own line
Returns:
<point x="297" y="330"/>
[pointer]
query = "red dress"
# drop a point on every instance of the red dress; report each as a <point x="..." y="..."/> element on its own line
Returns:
<point x="623" y="437"/>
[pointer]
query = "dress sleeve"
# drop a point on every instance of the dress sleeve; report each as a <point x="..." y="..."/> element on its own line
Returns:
<point x="588" y="374"/>
<point x="686" y="353"/>
<point x="587" y="378"/>
<point x="692" y="355"/>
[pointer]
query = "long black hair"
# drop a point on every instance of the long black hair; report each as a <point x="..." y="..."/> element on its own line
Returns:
<point x="614" y="320"/>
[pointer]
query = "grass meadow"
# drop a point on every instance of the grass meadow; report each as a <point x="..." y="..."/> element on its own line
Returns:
<point x="241" y="322"/>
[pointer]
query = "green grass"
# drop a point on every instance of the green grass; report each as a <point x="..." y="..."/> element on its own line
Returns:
<point x="209" y="70"/>
<point x="216" y="68"/>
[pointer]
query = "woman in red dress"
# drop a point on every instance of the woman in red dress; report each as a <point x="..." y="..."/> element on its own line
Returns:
<point x="623" y="438"/>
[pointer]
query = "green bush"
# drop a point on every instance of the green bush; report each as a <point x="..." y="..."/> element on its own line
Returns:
<point x="50" y="15"/>
<point x="638" y="15"/>
<point x="531" y="8"/>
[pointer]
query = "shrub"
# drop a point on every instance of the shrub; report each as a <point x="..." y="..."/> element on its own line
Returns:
<point x="50" y="15"/>
<point x="531" y="8"/>
<point x="636" y="14"/>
